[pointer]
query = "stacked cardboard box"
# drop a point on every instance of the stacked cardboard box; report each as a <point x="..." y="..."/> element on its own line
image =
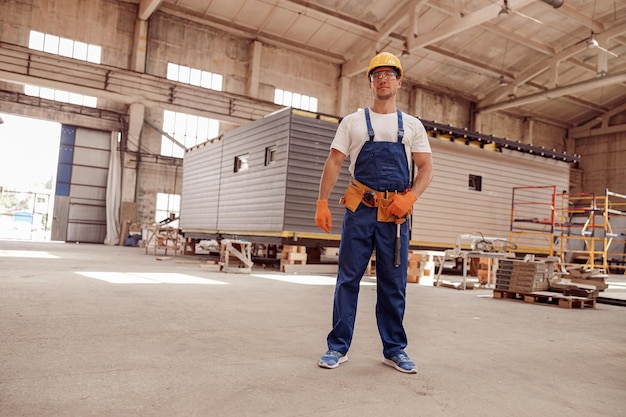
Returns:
<point x="522" y="276"/>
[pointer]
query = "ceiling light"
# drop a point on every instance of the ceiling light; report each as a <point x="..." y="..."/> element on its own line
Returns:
<point x="592" y="43"/>
<point x="503" y="81"/>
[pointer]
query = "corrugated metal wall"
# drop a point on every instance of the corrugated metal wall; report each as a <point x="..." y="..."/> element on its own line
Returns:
<point x="202" y="168"/>
<point x="254" y="199"/>
<point x="275" y="197"/>
<point x="309" y="145"/>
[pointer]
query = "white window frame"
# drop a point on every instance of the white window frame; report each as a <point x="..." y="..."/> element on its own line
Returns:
<point x="295" y="100"/>
<point x="194" y="76"/>
<point x="53" y="44"/>
<point x="166" y="205"/>
<point x="188" y="129"/>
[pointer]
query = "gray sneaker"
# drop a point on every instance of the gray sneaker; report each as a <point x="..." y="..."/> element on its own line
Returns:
<point x="402" y="363"/>
<point x="331" y="359"/>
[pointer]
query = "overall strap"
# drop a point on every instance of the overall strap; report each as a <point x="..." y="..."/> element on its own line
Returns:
<point x="370" y="130"/>
<point x="400" y="127"/>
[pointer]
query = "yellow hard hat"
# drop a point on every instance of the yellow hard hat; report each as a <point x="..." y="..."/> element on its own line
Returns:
<point x="385" y="59"/>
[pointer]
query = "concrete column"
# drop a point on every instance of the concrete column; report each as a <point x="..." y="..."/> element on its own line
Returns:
<point x="343" y="96"/>
<point x="478" y="122"/>
<point x="414" y="103"/>
<point x="253" y="70"/>
<point x="138" y="56"/>
<point x="136" y="114"/>
<point x="529" y="128"/>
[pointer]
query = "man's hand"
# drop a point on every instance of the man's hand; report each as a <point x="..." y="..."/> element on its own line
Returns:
<point x="323" y="218"/>
<point x="401" y="204"/>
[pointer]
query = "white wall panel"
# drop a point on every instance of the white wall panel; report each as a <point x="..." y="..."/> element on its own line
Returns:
<point x="449" y="208"/>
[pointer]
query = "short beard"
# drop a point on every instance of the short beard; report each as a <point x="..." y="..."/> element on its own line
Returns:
<point x="383" y="97"/>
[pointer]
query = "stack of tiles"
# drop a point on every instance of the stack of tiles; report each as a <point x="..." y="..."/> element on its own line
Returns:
<point x="521" y="276"/>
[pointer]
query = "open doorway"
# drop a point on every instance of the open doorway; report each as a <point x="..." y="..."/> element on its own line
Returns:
<point x="29" y="151"/>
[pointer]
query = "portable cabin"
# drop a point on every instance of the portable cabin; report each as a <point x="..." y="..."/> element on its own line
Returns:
<point x="260" y="182"/>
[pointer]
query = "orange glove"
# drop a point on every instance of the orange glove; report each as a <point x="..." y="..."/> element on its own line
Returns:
<point x="401" y="204"/>
<point x="323" y="218"/>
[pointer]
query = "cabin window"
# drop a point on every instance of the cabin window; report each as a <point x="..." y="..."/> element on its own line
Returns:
<point x="270" y="155"/>
<point x="241" y="162"/>
<point x="475" y="182"/>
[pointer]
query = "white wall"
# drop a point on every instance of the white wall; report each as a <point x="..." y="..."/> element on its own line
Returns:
<point x="449" y="208"/>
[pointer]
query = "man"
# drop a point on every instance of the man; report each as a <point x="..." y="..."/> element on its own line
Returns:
<point x="379" y="140"/>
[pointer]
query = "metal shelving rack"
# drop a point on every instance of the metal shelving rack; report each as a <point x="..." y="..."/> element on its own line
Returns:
<point x="580" y="238"/>
<point x="580" y="228"/>
<point x="587" y="233"/>
<point x="615" y="212"/>
<point x="533" y="219"/>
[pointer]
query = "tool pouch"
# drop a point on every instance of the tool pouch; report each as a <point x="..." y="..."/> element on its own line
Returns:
<point x="352" y="197"/>
<point x="383" y="215"/>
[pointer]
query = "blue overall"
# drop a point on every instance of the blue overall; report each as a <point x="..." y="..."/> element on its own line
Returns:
<point x="383" y="167"/>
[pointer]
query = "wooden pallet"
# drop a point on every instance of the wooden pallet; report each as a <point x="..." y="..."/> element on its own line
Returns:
<point x="547" y="298"/>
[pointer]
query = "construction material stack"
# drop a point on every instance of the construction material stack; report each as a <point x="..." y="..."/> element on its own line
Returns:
<point x="532" y="282"/>
<point x="421" y="268"/>
<point x="523" y="277"/>
<point x="413" y="272"/>
<point x="291" y="255"/>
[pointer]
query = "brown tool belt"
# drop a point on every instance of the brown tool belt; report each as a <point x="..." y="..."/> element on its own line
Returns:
<point x="358" y="193"/>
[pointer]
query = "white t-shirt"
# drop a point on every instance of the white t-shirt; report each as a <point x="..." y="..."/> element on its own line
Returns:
<point x="352" y="134"/>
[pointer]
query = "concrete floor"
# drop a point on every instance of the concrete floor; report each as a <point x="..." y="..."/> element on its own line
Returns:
<point x="94" y="330"/>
